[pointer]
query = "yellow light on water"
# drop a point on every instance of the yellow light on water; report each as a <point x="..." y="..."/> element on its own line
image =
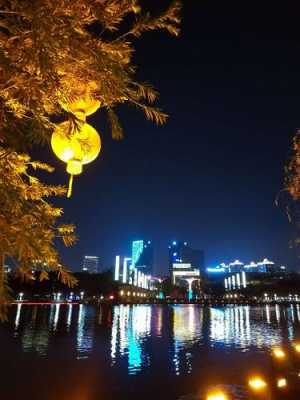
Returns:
<point x="257" y="383"/>
<point x="217" y="395"/>
<point x="297" y="347"/>
<point x="279" y="353"/>
<point x="281" y="383"/>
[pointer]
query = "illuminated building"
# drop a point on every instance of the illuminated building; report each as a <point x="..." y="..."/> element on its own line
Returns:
<point x="125" y="273"/>
<point x="133" y="270"/>
<point x="142" y="256"/>
<point x="122" y="271"/>
<point x="264" y="266"/>
<point x="235" y="281"/>
<point x="251" y="267"/>
<point x="141" y="267"/>
<point x="185" y="264"/>
<point x="181" y="253"/>
<point x="117" y="268"/>
<point x="236" y="266"/>
<point x="90" y="264"/>
<point x="184" y="272"/>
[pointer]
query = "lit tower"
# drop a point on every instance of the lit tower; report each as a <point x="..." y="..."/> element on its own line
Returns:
<point x="141" y="261"/>
<point x="90" y="264"/>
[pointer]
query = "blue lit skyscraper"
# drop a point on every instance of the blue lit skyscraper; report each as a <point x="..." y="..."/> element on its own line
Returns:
<point x="137" y="249"/>
<point x="142" y="256"/>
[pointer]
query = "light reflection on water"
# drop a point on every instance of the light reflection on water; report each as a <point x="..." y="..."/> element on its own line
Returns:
<point x="130" y="335"/>
<point x="85" y="331"/>
<point x="241" y="328"/>
<point x="187" y="330"/>
<point x="131" y="326"/>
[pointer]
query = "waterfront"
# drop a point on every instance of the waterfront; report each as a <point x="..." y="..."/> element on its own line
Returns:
<point x="87" y="352"/>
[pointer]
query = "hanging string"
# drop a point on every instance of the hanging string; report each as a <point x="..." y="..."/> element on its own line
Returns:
<point x="70" y="186"/>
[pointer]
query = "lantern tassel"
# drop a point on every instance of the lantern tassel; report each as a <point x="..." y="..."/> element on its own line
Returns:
<point x="70" y="187"/>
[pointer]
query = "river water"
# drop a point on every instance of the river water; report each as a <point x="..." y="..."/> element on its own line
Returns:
<point x="83" y="352"/>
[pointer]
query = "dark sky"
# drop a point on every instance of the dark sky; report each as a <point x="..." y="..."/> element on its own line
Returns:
<point x="231" y="85"/>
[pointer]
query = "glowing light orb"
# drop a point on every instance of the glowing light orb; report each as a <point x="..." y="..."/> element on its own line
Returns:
<point x="217" y="396"/>
<point x="257" y="383"/>
<point x="279" y="353"/>
<point x="281" y="383"/>
<point x="297" y="347"/>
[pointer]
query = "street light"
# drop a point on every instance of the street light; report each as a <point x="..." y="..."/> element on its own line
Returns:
<point x="279" y="353"/>
<point x="217" y="395"/>
<point x="257" y="384"/>
<point x="281" y="383"/>
<point x="297" y="347"/>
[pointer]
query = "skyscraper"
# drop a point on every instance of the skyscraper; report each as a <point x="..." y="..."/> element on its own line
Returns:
<point x="142" y="256"/>
<point x="181" y="253"/>
<point x="90" y="264"/>
<point x="185" y="265"/>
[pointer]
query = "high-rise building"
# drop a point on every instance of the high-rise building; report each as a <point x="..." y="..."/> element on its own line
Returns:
<point x="142" y="256"/>
<point x="181" y="253"/>
<point x="90" y="264"/>
<point x="186" y="265"/>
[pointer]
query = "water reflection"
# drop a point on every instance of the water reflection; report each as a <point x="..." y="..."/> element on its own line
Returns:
<point x="131" y="326"/>
<point x="245" y="327"/>
<point x="85" y="331"/>
<point x="141" y="336"/>
<point x="18" y="314"/>
<point x="69" y="318"/>
<point x="187" y="330"/>
<point x="56" y="316"/>
<point x="35" y="336"/>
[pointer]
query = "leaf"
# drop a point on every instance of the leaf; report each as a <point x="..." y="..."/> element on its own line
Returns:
<point x="116" y="128"/>
<point x="43" y="276"/>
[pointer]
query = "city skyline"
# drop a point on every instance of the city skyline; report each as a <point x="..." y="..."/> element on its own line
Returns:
<point x="168" y="255"/>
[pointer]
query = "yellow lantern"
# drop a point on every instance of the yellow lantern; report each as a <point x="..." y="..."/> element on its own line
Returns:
<point x="75" y="146"/>
<point x="83" y="102"/>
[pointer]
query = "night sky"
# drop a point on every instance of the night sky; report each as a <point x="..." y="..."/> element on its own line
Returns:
<point x="231" y="85"/>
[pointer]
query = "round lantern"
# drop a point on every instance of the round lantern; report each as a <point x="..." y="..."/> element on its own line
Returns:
<point x="75" y="146"/>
